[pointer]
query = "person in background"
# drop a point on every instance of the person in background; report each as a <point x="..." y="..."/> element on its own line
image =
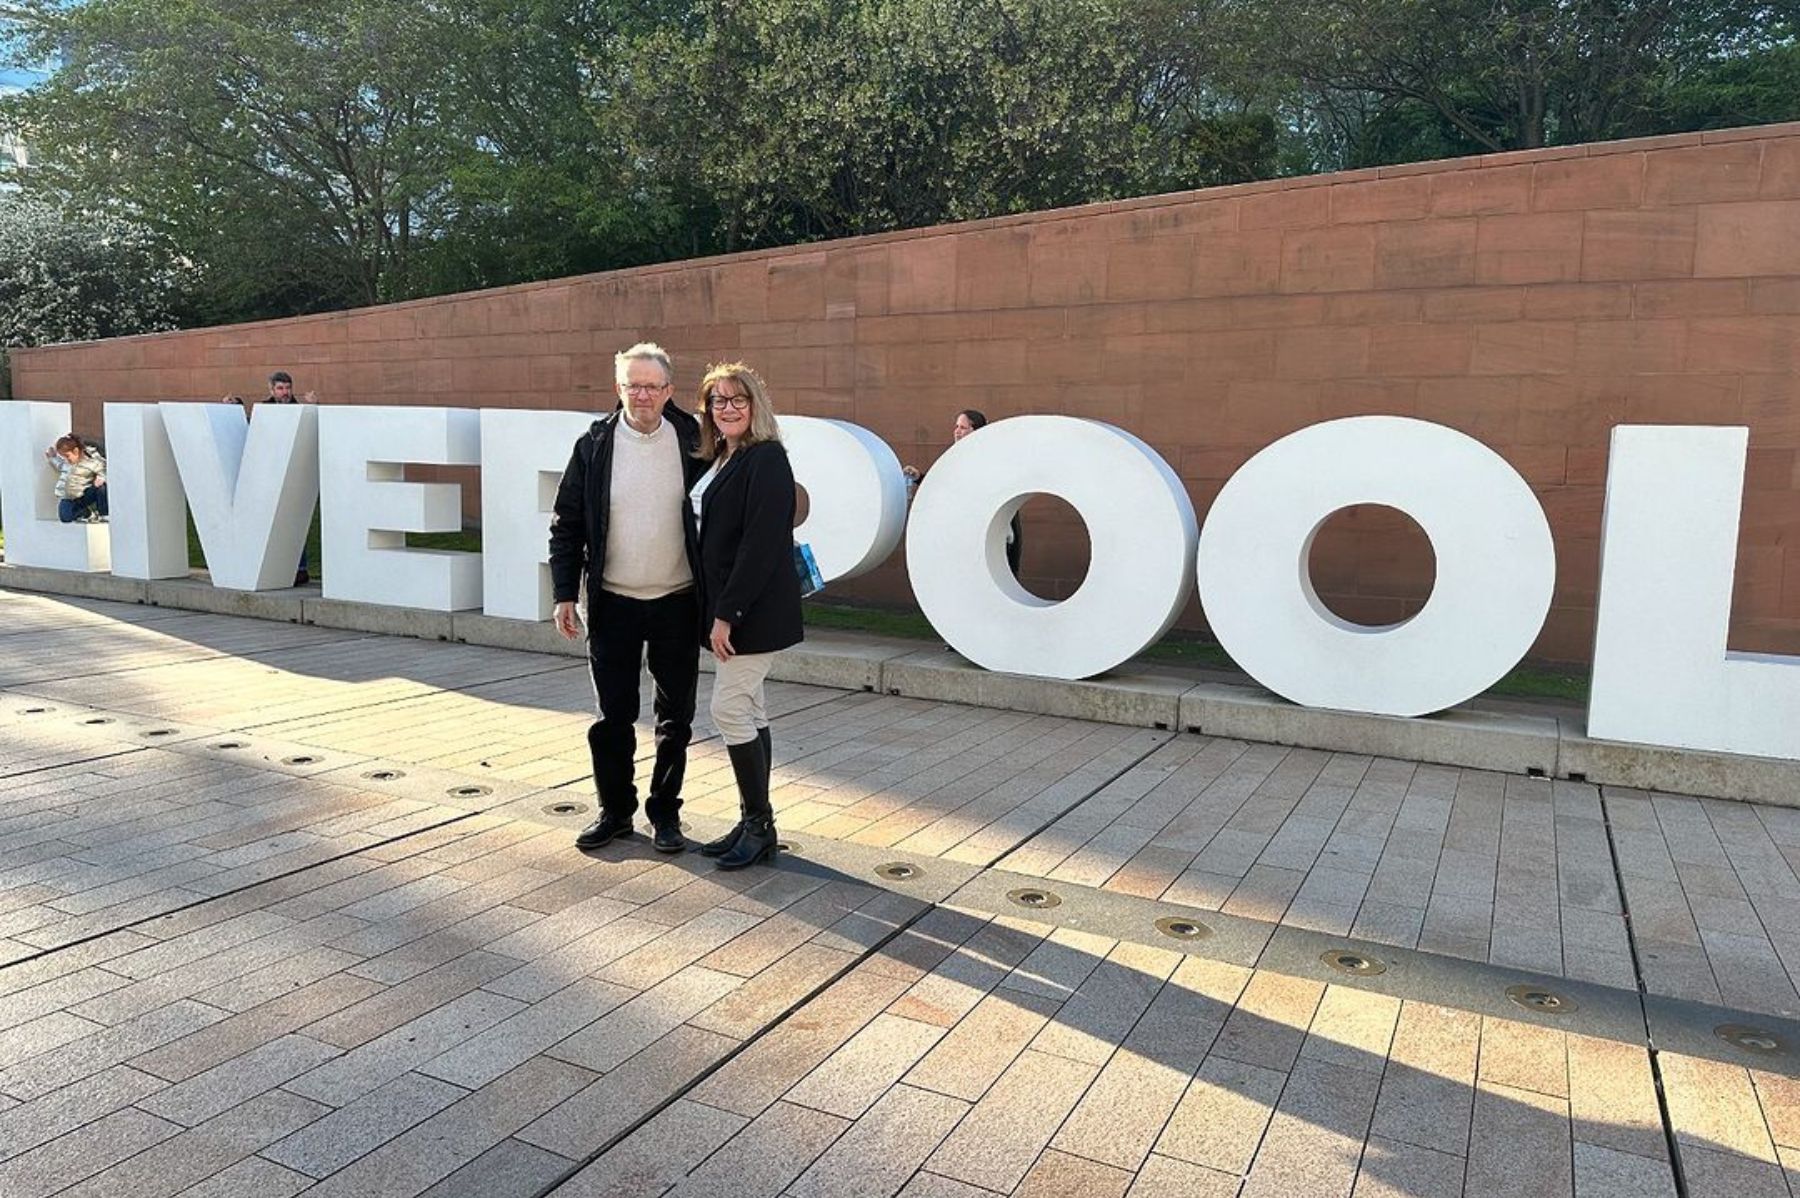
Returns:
<point x="80" y="480"/>
<point x="749" y="591"/>
<point x="623" y="524"/>
<point x="281" y="390"/>
<point x="967" y="421"/>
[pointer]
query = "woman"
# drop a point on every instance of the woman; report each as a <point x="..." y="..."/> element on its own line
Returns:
<point x="967" y="421"/>
<point x="749" y="592"/>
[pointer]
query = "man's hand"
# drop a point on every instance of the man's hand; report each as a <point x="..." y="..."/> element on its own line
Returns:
<point x="567" y="622"/>
<point x="310" y="397"/>
<point x="721" y="641"/>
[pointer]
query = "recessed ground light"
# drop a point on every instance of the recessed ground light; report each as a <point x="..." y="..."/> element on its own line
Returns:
<point x="1541" y="998"/>
<point x="469" y="791"/>
<point x="1034" y="898"/>
<point x="99" y="719"/>
<point x="384" y="775"/>
<point x="302" y="759"/>
<point x="565" y="808"/>
<point x="1180" y="928"/>
<point x="898" y="871"/>
<point x="1754" y="1039"/>
<point x="1346" y="961"/>
<point x="36" y="710"/>
<point x="228" y="744"/>
<point x="160" y="732"/>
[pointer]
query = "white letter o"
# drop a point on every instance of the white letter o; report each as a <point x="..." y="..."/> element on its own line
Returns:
<point x="1496" y="566"/>
<point x="1140" y="523"/>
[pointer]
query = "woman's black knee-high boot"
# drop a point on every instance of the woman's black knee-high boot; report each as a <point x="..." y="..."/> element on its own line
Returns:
<point x="756" y="842"/>
<point x="721" y="846"/>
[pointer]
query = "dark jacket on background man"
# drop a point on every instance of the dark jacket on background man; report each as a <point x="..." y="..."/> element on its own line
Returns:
<point x="746" y="572"/>
<point x="583" y="501"/>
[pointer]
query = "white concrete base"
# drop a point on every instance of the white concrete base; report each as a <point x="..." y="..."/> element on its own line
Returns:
<point x="500" y="632"/>
<point x="72" y="583"/>
<point x="374" y="617"/>
<point x="197" y="594"/>
<point x="1517" y="744"/>
<point x="1139" y="700"/>
<point x="1515" y="740"/>
<point x="1677" y="771"/>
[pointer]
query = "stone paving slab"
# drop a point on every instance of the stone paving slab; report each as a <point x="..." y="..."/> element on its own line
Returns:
<point x="229" y="970"/>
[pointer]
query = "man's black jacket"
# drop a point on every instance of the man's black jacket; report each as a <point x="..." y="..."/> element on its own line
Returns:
<point x="747" y="575"/>
<point x="578" y="527"/>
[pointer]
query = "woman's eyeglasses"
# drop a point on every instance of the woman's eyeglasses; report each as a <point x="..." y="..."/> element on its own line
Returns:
<point x="740" y="402"/>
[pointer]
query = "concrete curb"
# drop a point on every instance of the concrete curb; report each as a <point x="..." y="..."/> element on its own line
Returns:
<point x="1551" y="744"/>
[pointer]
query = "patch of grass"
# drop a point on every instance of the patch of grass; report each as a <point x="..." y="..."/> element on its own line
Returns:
<point x="909" y="625"/>
<point x="1182" y="648"/>
<point x="468" y="540"/>
<point x="1544" y="682"/>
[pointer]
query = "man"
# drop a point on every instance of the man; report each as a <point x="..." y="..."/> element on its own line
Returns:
<point x="281" y="390"/>
<point x="623" y="521"/>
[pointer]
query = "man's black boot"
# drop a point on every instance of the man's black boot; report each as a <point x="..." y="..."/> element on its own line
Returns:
<point x="668" y="837"/>
<point x="610" y="826"/>
<point x="613" y="786"/>
<point x="756" y="838"/>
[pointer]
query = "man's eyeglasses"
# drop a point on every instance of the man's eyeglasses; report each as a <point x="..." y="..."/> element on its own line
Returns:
<point x="739" y="402"/>
<point x="644" y="388"/>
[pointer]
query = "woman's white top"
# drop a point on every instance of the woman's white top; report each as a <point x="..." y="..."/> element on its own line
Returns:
<point x="698" y="494"/>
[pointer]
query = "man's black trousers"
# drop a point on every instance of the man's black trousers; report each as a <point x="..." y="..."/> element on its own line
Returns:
<point x="622" y="633"/>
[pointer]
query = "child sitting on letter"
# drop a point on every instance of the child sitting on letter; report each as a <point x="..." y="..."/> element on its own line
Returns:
<point x="80" y="480"/>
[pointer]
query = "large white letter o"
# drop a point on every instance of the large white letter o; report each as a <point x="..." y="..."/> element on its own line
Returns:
<point x="1496" y="566"/>
<point x="1140" y="523"/>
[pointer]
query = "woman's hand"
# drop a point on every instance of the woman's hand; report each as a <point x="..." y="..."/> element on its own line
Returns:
<point x="721" y="641"/>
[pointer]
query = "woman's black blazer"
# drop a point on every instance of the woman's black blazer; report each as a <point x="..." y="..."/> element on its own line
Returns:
<point x="747" y="575"/>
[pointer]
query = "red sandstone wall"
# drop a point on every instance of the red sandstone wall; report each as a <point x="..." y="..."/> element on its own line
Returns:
<point x="1533" y="300"/>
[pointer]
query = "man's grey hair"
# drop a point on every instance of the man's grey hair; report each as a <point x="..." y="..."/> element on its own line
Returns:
<point x="643" y="351"/>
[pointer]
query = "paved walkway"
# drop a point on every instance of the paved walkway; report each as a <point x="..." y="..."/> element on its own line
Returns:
<point x="285" y="909"/>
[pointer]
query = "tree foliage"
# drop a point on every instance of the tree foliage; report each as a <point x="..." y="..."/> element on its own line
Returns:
<point x="68" y="278"/>
<point x="312" y="154"/>
<point x="76" y="279"/>
<point x="1393" y="80"/>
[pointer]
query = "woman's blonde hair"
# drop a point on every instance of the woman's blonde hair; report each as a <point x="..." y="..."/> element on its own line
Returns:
<point x="762" y="413"/>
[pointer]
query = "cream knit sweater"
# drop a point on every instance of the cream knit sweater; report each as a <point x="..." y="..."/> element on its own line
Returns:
<point x="646" y="549"/>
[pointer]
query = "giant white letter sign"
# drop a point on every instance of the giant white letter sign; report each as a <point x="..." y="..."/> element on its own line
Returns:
<point x="1140" y="523"/>
<point x="34" y="535"/>
<point x="856" y="494"/>
<point x="251" y="487"/>
<point x="522" y="459"/>
<point x="149" y="513"/>
<point x="1662" y="673"/>
<point x="368" y="507"/>
<point x="1496" y="566"/>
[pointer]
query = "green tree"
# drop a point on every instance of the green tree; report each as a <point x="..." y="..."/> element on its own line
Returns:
<point x="1394" y="80"/>
<point x="80" y="277"/>
<point x="801" y="119"/>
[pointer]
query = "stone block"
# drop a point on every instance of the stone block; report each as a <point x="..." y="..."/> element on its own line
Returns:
<point x="1748" y="239"/>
